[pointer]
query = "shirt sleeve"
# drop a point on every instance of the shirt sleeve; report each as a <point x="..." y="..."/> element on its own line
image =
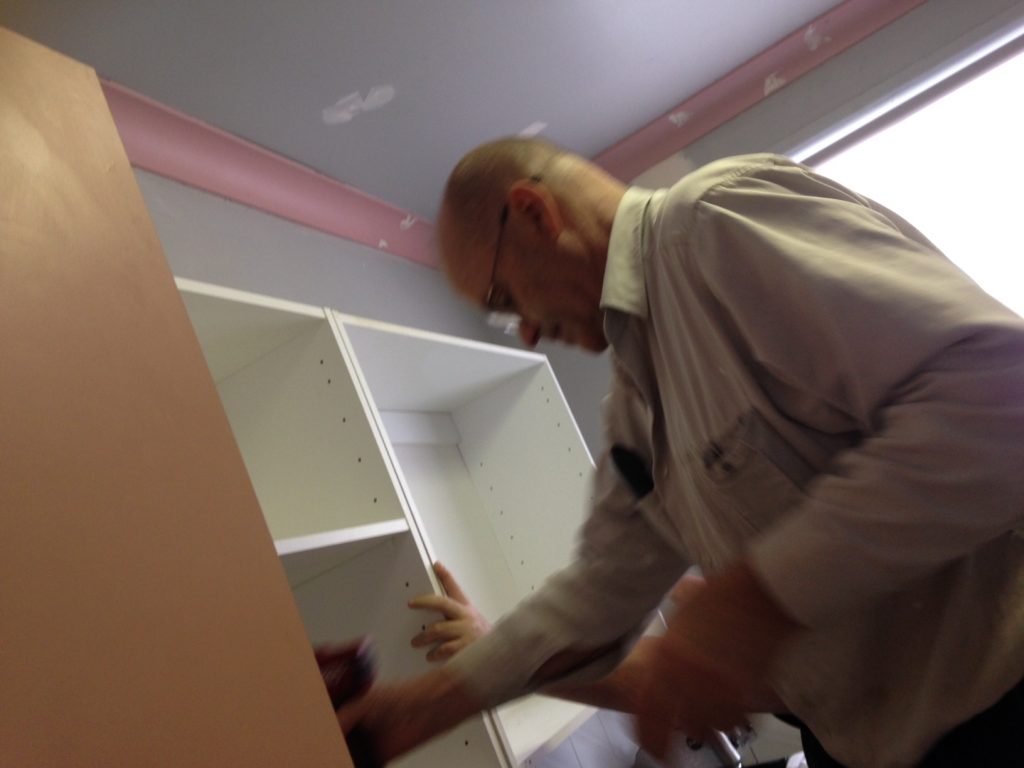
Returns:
<point x="601" y="601"/>
<point x="830" y="295"/>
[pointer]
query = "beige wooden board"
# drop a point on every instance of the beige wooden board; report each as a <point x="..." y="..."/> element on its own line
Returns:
<point x="145" y="616"/>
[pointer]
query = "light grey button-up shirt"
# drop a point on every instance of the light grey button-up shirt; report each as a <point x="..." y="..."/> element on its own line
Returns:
<point x="816" y="388"/>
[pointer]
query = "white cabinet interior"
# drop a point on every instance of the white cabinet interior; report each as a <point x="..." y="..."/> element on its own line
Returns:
<point x="375" y="450"/>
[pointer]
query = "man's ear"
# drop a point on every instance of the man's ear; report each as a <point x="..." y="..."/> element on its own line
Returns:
<point x="534" y="199"/>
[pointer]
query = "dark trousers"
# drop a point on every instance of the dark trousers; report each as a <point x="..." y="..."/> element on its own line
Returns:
<point x="992" y="738"/>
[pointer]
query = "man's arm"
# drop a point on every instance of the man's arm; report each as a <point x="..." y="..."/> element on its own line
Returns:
<point x="460" y="624"/>
<point x="393" y="719"/>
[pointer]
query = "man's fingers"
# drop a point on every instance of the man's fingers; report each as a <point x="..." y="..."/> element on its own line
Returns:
<point x="445" y="651"/>
<point x="443" y="604"/>
<point x="451" y="586"/>
<point x="442" y="631"/>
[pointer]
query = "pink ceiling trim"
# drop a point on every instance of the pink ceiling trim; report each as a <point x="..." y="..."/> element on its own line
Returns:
<point x="172" y="144"/>
<point x="774" y="68"/>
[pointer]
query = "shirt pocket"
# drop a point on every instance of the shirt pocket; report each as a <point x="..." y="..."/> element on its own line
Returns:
<point x="751" y="476"/>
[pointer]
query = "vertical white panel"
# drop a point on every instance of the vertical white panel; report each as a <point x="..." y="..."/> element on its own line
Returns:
<point x="460" y="533"/>
<point x="412" y="427"/>
<point x="306" y="439"/>
<point x="234" y="328"/>
<point x="532" y="470"/>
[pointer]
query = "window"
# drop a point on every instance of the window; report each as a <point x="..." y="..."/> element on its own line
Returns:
<point x="955" y="170"/>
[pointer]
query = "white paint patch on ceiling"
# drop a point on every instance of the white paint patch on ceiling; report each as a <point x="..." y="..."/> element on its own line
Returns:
<point x="532" y="129"/>
<point x="347" y="107"/>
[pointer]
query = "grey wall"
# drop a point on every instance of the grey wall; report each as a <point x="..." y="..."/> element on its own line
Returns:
<point x="208" y="238"/>
<point x="217" y="241"/>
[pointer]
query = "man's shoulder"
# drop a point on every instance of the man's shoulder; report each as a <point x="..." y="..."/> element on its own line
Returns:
<point x="696" y="185"/>
<point x="675" y="214"/>
<point x="671" y="217"/>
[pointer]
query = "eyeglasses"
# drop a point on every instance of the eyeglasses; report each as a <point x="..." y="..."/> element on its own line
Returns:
<point x="498" y="298"/>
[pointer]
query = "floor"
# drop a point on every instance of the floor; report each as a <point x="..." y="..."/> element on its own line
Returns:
<point x="606" y="741"/>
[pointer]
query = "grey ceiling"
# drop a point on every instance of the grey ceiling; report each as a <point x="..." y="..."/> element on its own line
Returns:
<point x="462" y="72"/>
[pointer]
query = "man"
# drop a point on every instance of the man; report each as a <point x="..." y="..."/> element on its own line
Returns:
<point x="810" y="402"/>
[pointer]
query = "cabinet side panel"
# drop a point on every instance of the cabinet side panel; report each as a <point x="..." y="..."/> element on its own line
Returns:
<point x="145" y="617"/>
<point x="460" y="532"/>
<point x="532" y="471"/>
<point x="307" y="441"/>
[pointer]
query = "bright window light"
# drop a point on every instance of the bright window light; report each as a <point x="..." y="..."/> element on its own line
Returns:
<point x="955" y="170"/>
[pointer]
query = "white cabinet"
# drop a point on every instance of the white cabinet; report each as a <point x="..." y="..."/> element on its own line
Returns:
<point x="375" y="450"/>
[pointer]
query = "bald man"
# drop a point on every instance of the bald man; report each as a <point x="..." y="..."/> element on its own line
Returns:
<point x="810" y="402"/>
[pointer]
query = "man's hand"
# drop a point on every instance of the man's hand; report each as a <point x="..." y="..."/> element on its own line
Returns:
<point x="719" y="647"/>
<point x="393" y="719"/>
<point x="462" y="622"/>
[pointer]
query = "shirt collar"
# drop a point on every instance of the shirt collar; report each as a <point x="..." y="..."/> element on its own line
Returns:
<point x="624" y="288"/>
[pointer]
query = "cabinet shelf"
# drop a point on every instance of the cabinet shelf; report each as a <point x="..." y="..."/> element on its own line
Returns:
<point x="305" y="557"/>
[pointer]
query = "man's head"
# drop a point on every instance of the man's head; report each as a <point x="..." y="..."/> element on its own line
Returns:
<point x="524" y="228"/>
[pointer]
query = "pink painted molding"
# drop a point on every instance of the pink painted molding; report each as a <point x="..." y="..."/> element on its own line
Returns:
<point x="169" y="143"/>
<point x="774" y="68"/>
<point x="172" y="144"/>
